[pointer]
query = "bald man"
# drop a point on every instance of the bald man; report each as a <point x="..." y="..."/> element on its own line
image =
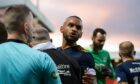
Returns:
<point x="68" y="68"/>
<point x="129" y="71"/>
<point x="72" y="30"/>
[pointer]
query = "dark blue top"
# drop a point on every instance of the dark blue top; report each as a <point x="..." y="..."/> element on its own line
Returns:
<point x="68" y="68"/>
<point x="84" y="58"/>
<point x="129" y="71"/>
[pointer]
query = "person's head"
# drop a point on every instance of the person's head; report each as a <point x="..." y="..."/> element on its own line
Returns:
<point x="2" y="12"/>
<point x="98" y="38"/>
<point x="40" y="35"/>
<point x="3" y="33"/>
<point x="18" y="21"/>
<point x="72" y="29"/>
<point x="126" y="49"/>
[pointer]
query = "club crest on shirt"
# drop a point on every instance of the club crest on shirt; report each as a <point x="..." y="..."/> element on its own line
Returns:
<point x="118" y="79"/>
<point x="54" y="75"/>
<point x="104" y="59"/>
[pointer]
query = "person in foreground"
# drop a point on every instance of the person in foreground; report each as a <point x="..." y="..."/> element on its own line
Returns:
<point x="128" y="72"/>
<point x="72" y="31"/>
<point x="3" y="32"/>
<point x="68" y="68"/>
<point x="20" y="64"/>
<point x="101" y="57"/>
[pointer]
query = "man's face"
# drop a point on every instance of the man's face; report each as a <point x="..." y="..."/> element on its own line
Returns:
<point x="72" y="29"/>
<point x="99" y="40"/>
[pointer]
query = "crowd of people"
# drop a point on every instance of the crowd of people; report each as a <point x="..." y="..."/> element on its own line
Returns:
<point x="28" y="56"/>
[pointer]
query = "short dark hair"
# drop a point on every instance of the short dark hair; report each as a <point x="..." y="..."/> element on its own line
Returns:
<point x="14" y="16"/>
<point x="126" y="48"/>
<point x="3" y="33"/>
<point x="102" y="31"/>
<point x="74" y="17"/>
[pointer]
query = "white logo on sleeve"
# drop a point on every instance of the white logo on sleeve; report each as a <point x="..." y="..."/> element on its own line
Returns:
<point x="118" y="79"/>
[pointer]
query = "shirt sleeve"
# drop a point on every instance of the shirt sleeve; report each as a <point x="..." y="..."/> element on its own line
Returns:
<point x="50" y="74"/>
<point x="121" y="76"/>
<point x="88" y="60"/>
<point x="111" y="67"/>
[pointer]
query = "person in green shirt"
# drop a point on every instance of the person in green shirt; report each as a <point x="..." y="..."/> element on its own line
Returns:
<point x="101" y="57"/>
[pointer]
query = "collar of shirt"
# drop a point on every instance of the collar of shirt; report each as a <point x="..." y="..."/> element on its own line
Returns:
<point x="43" y="46"/>
<point x="15" y="40"/>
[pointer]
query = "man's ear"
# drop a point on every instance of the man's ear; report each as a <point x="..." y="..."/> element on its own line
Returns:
<point x="134" y="53"/>
<point x="120" y="54"/>
<point x="92" y="38"/>
<point x="26" y="28"/>
<point x="22" y="27"/>
<point x="81" y="35"/>
<point x="61" y="29"/>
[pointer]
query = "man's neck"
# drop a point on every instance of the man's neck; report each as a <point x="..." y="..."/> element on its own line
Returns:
<point x="67" y="45"/>
<point x="94" y="49"/>
<point x="16" y="36"/>
<point x="127" y="59"/>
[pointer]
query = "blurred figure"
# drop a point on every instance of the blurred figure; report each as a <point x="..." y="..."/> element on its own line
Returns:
<point x="20" y="64"/>
<point x="129" y="71"/>
<point x="68" y="68"/>
<point x="2" y="13"/>
<point x="72" y="31"/>
<point x="101" y="57"/>
<point x="3" y="33"/>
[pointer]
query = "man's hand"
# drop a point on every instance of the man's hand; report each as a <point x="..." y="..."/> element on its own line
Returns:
<point x="106" y="72"/>
<point x="89" y="78"/>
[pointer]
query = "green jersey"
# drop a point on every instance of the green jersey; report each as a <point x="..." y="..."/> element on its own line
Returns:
<point x="102" y="59"/>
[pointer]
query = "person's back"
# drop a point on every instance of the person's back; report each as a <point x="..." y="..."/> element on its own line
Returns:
<point x="131" y="70"/>
<point x="128" y="72"/>
<point x="20" y="64"/>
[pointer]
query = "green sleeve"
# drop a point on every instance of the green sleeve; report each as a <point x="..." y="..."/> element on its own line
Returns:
<point x="111" y="68"/>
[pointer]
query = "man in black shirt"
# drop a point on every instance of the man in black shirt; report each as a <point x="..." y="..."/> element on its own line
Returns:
<point x="68" y="68"/>
<point x="72" y="31"/>
<point x="128" y="72"/>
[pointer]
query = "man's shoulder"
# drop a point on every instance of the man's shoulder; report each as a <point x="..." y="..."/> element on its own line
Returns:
<point x="104" y="51"/>
<point x="54" y="53"/>
<point x="74" y="49"/>
<point x="81" y="49"/>
<point x="124" y="65"/>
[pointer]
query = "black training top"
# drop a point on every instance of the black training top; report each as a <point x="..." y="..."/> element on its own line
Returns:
<point x="83" y="57"/>
<point x="129" y="71"/>
<point x="68" y="68"/>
